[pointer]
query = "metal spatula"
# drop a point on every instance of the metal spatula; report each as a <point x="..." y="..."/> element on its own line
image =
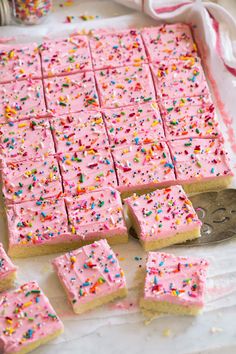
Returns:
<point x="217" y="211"/>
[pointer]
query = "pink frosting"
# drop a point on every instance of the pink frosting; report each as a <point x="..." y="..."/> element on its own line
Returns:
<point x="90" y="272"/>
<point x="189" y="117"/>
<point x="38" y="222"/>
<point x="139" y="124"/>
<point x="79" y="131"/>
<point x="179" y="78"/>
<point x="125" y="86"/>
<point x="65" y="55"/>
<point x="177" y="280"/>
<point x="117" y="49"/>
<point x="6" y="265"/>
<point x="27" y="139"/>
<point x="26" y="317"/>
<point x="29" y="180"/>
<point x="21" y="100"/>
<point x="143" y="166"/>
<point x="195" y="159"/>
<point x="19" y="62"/>
<point x="169" y="41"/>
<point x="87" y="170"/>
<point x="72" y="93"/>
<point x="163" y="213"/>
<point x="96" y="214"/>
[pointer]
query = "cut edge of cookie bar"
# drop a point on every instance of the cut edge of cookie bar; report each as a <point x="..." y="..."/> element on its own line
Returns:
<point x="7" y="281"/>
<point x="166" y="307"/>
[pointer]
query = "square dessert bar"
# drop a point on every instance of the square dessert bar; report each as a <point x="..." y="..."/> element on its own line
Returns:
<point x="7" y="270"/>
<point x="201" y="164"/>
<point x="97" y="214"/>
<point x="87" y="170"/>
<point x="28" y="319"/>
<point x="38" y="227"/>
<point x="91" y="276"/>
<point x="189" y="117"/>
<point x="27" y="139"/>
<point x="117" y="49"/>
<point x="179" y="78"/>
<point x="66" y="55"/>
<point x="163" y="218"/>
<point x="19" y="62"/>
<point x="143" y="168"/>
<point x="139" y="124"/>
<point x="21" y="100"/>
<point x="169" y="41"/>
<point x="174" y="284"/>
<point x="30" y="180"/>
<point x="125" y="86"/>
<point x="79" y="131"/>
<point x="72" y="93"/>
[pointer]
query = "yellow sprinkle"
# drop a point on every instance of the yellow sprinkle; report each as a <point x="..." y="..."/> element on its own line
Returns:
<point x="177" y="221"/>
<point x="155" y="123"/>
<point x="73" y="229"/>
<point x="27" y="304"/>
<point x="120" y="86"/>
<point x="11" y="54"/>
<point x="21" y="125"/>
<point x="157" y="217"/>
<point x="73" y="259"/>
<point x="98" y="121"/>
<point x="68" y="162"/>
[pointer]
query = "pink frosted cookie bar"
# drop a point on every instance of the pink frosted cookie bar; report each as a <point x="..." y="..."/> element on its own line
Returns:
<point x="38" y="227"/>
<point x="64" y="56"/>
<point x="21" y="100"/>
<point x="174" y="284"/>
<point x="69" y="94"/>
<point x="187" y="117"/>
<point x="97" y="214"/>
<point x="87" y="170"/>
<point x="27" y="139"/>
<point x="79" y="131"/>
<point x="91" y="276"/>
<point x="139" y="124"/>
<point x="117" y="49"/>
<point x="7" y="270"/>
<point x="28" y="320"/>
<point x="201" y="164"/>
<point x="30" y="180"/>
<point x="125" y="86"/>
<point x="142" y="168"/>
<point x="179" y="78"/>
<point x="163" y="218"/>
<point x="19" y="62"/>
<point x="169" y="41"/>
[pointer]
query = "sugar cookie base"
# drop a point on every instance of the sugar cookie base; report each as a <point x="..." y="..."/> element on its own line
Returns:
<point x="29" y="347"/>
<point x="8" y="281"/>
<point x="81" y="308"/>
<point x="155" y="244"/>
<point x="21" y="251"/>
<point x="167" y="307"/>
<point x="215" y="184"/>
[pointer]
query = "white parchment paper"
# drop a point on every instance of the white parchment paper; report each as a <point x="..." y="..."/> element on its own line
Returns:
<point x="119" y="327"/>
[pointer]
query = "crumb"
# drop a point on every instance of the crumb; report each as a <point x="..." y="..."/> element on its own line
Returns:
<point x="216" y="330"/>
<point x="166" y="332"/>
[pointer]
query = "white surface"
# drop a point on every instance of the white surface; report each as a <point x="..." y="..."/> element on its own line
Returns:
<point x="119" y="327"/>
